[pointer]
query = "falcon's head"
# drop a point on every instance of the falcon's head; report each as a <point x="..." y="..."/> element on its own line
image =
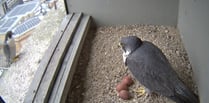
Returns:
<point x="8" y="36"/>
<point x="129" y="44"/>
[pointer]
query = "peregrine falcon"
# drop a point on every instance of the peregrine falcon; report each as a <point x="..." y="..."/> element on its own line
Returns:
<point x="9" y="47"/>
<point x="152" y="69"/>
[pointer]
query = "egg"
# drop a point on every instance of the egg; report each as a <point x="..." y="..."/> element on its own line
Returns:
<point x="127" y="80"/>
<point x="121" y="86"/>
<point x="124" y="94"/>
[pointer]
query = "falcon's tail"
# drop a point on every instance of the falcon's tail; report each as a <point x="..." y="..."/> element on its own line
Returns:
<point x="181" y="99"/>
<point x="184" y="95"/>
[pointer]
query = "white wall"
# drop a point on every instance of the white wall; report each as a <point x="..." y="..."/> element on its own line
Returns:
<point x="193" y="24"/>
<point x="116" y="12"/>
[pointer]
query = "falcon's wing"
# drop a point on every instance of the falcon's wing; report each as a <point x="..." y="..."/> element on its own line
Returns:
<point x="150" y="66"/>
<point x="6" y="50"/>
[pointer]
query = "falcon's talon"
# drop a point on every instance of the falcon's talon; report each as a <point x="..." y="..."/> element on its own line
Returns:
<point x="140" y="91"/>
<point x="16" y="59"/>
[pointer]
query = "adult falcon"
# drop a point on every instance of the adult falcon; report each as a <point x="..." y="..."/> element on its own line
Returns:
<point x="152" y="69"/>
<point x="9" y="47"/>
